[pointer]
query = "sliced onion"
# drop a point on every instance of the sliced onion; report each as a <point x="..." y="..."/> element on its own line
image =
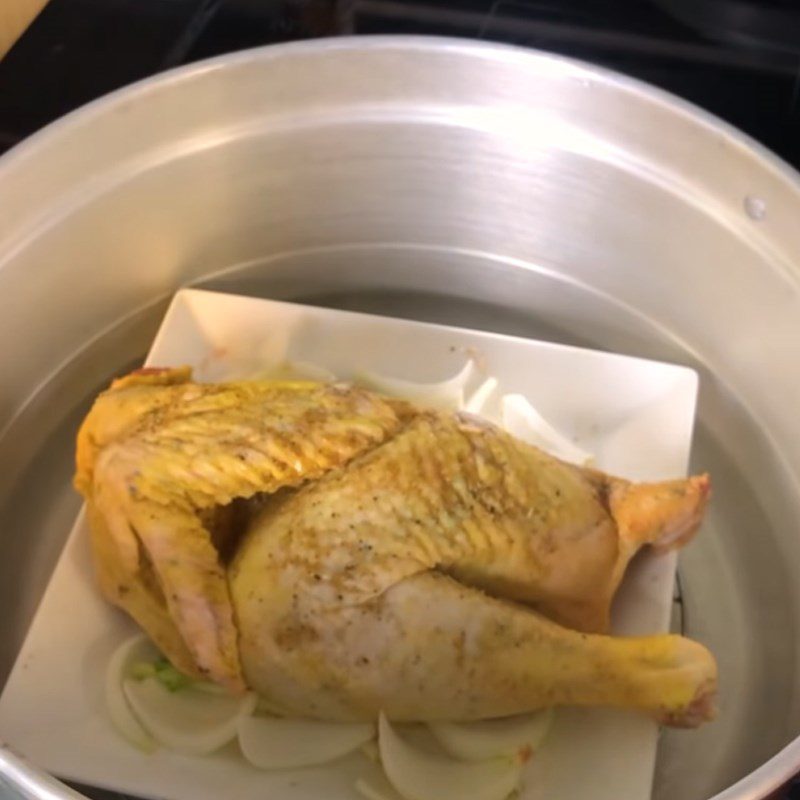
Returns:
<point x="137" y="648"/>
<point x="523" y="421"/>
<point x="376" y="787"/>
<point x="478" y="399"/>
<point x="446" y="395"/>
<point x="512" y="737"/>
<point x="370" y="750"/>
<point x="190" y="721"/>
<point x="272" y="743"/>
<point x="418" y="775"/>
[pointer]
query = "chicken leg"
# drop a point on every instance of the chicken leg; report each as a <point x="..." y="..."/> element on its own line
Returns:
<point x="397" y="582"/>
<point x="431" y="648"/>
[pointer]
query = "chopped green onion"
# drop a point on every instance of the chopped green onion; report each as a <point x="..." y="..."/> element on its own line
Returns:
<point x="169" y="677"/>
<point x="142" y="669"/>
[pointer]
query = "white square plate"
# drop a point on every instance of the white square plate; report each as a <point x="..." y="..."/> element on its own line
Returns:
<point x="636" y="416"/>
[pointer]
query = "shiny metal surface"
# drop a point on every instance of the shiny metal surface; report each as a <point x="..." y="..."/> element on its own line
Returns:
<point x="20" y="779"/>
<point x="452" y="181"/>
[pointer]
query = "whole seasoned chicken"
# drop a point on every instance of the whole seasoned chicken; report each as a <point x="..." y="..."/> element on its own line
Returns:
<point x="422" y="563"/>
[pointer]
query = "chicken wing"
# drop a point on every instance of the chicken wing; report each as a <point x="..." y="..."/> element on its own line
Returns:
<point x="158" y="454"/>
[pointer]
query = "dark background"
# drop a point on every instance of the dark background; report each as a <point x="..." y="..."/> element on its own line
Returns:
<point x="737" y="58"/>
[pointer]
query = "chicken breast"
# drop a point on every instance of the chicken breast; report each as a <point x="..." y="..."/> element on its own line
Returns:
<point x="423" y="563"/>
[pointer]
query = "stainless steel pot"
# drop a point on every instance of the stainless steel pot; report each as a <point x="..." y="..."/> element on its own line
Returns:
<point x="474" y="184"/>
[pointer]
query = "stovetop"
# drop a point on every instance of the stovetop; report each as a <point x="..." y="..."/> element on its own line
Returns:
<point x="738" y="58"/>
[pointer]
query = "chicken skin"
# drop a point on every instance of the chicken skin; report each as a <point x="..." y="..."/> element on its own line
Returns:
<point x="423" y="563"/>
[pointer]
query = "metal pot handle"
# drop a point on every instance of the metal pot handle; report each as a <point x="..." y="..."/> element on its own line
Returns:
<point x="26" y="782"/>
